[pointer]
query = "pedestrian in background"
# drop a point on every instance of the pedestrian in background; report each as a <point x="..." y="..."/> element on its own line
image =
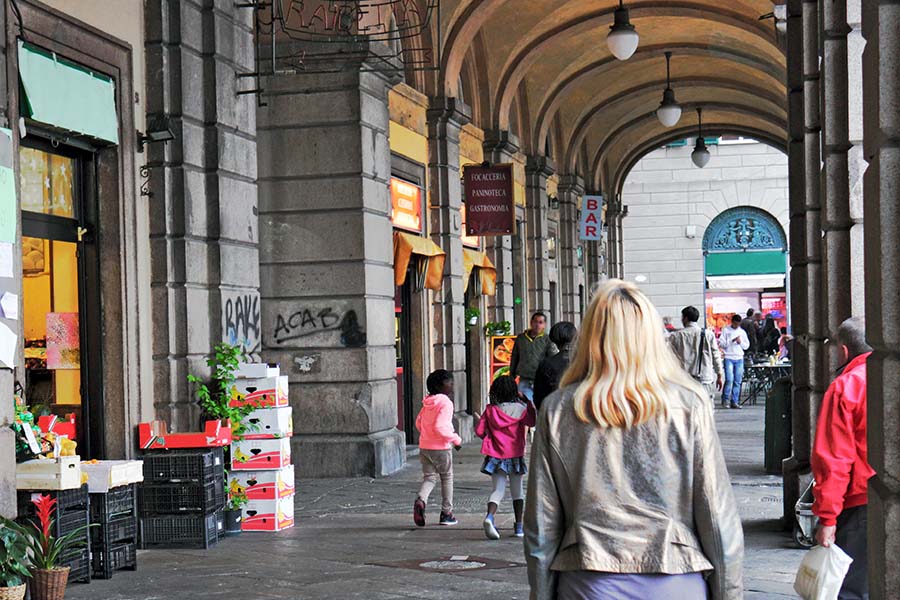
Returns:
<point x="750" y="325"/>
<point x="840" y="458"/>
<point x="698" y="352"/>
<point x="436" y="437"/>
<point x="769" y="336"/>
<point x="549" y="372"/>
<point x="628" y="494"/>
<point x="734" y="342"/>
<point x="502" y="428"/>
<point x="531" y="347"/>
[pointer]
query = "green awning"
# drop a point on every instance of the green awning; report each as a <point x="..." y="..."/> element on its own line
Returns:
<point x="745" y="263"/>
<point x="67" y="96"/>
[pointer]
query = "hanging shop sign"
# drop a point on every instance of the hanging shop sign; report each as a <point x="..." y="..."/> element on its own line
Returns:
<point x="490" y="206"/>
<point x="406" y="205"/>
<point x="470" y="241"/>
<point x="591" y="224"/>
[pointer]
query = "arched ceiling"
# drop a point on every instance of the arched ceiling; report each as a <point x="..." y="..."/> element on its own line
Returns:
<point x="547" y="63"/>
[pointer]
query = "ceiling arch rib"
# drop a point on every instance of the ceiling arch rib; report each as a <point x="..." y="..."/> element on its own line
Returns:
<point x="464" y="27"/>
<point x="532" y="46"/>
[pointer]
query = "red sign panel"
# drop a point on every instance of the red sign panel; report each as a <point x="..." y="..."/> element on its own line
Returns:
<point x="490" y="206"/>
<point x="406" y="205"/>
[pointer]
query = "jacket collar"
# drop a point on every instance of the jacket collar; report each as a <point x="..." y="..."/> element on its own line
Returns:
<point x="531" y="339"/>
<point x="856" y="362"/>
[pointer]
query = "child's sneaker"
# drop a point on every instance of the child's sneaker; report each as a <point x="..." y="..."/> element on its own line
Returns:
<point x="448" y="519"/>
<point x="419" y="512"/>
<point x="519" y="530"/>
<point x="489" y="530"/>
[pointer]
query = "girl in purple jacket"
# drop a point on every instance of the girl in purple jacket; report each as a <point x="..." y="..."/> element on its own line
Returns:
<point x="503" y="427"/>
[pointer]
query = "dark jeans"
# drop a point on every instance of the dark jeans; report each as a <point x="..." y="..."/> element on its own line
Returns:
<point x="851" y="537"/>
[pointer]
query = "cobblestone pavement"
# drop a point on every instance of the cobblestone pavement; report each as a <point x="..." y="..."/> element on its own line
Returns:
<point x="355" y="539"/>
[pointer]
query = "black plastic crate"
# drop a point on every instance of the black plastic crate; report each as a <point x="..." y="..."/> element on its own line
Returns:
<point x="198" y="466"/>
<point x="105" y="535"/>
<point x="66" y="500"/>
<point x="181" y="531"/>
<point x="175" y="498"/>
<point x="63" y="522"/>
<point x="117" y="557"/>
<point x="79" y="564"/>
<point x="117" y="502"/>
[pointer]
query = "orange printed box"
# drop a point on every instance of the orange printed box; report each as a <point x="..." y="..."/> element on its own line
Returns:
<point x="265" y="392"/>
<point x="268" y="423"/>
<point x="260" y="455"/>
<point x="263" y="485"/>
<point x="268" y="515"/>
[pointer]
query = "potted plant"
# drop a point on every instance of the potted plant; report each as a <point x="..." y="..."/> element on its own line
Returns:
<point x="494" y="328"/>
<point x="48" y="579"/>
<point x="237" y="499"/>
<point x="215" y="398"/>
<point x="14" y="564"/>
<point x="472" y="315"/>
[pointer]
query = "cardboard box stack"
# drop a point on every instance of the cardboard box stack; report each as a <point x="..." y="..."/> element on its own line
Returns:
<point x="261" y="461"/>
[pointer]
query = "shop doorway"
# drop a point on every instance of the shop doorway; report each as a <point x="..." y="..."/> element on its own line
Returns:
<point x="61" y="290"/>
<point x="403" y="344"/>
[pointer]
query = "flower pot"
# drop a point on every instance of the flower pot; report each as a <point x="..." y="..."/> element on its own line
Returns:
<point x="473" y="320"/>
<point x="49" y="584"/>
<point x="232" y="522"/>
<point x="12" y="593"/>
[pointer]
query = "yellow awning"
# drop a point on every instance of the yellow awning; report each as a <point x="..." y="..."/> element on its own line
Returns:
<point x="487" y="273"/>
<point x="405" y="245"/>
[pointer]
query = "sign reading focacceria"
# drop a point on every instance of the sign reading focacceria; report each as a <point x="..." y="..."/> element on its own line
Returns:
<point x="490" y="208"/>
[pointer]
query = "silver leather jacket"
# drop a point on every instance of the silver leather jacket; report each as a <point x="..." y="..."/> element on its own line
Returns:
<point x="655" y="498"/>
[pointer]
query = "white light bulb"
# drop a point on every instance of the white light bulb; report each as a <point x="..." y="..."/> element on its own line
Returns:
<point x="622" y="42"/>
<point x="700" y="156"/>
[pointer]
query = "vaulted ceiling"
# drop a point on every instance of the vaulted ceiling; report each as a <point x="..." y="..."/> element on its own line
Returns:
<point x="542" y="69"/>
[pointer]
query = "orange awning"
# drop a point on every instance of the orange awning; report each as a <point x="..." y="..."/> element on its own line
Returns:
<point x="487" y="273"/>
<point x="405" y="245"/>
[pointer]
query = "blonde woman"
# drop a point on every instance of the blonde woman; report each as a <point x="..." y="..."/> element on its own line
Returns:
<point x="628" y="495"/>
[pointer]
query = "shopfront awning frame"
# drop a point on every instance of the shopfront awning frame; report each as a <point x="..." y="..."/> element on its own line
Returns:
<point x="484" y="269"/>
<point x="432" y="264"/>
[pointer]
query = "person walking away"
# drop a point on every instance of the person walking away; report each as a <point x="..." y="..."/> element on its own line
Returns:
<point x="839" y="458"/>
<point x="502" y="428"/>
<point x="531" y="347"/>
<point x="628" y="494"/>
<point x="749" y="324"/>
<point x="769" y="337"/>
<point x="733" y="341"/>
<point x="549" y="372"/>
<point x="698" y="352"/>
<point x="436" y="437"/>
<point x="784" y="344"/>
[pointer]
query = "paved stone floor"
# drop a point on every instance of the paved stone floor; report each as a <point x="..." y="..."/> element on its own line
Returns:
<point x="352" y="535"/>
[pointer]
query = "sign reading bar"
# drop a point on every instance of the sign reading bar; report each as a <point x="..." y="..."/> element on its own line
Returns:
<point x="490" y="206"/>
<point x="406" y="205"/>
<point x="591" y="224"/>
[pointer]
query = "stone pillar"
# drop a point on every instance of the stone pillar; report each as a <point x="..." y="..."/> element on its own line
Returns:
<point x="14" y="286"/>
<point x="881" y="93"/>
<point x="855" y="157"/>
<point x="326" y="254"/>
<point x="537" y="232"/>
<point x="796" y="467"/>
<point x="446" y="117"/>
<point x="570" y="190"/>
<point x="499" y="148"/>
<point x="614" y="246"/>
<point x="203" y="213"/>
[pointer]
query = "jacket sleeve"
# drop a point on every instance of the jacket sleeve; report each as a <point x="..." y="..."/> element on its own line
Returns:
<point x="745" y="339"/>
<point x="715" y="510"/>
<point x="481" y="427"/>
<point x="716" y="357"/>
<point x="530" y="415"/>
<point x="542" y="384"/>
<point x="419" y="422"/>
<point x="514" y="359"/>
<point x="443" y="426"/>
<point x="832" y="456"/>
<point x="544" y="516"/>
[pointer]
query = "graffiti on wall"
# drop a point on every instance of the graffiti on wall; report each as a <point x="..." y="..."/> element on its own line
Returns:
<point x="307" y="321"/>
<point x="241" y="320"/>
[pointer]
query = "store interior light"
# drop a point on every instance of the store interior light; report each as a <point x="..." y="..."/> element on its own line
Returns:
<point x="669" y="110"/>
<point x="700" y="155"/>
<point x="622" y="38"/>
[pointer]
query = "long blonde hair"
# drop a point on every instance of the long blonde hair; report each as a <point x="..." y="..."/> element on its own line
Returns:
<point x="622" y="365"/>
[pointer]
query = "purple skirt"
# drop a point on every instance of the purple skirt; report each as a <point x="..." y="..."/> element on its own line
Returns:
<point x="594" y="585"/>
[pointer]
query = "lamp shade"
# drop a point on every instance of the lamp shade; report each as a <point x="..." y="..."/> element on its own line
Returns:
<point x="669" y="111"/>
<point x="622" y="38"/>
<point x="700" y="155"/>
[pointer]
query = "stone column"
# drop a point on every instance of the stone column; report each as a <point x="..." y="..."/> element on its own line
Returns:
<point x="570" y="190"/>
<point x="881" y="93"/>
<point x="499" y="148"/>
<point x="795" y="467"/>
<point x="855" y="157"/>
<point x="614" y="247"/>
<point x="327" y="281"/>
<point x="537" y="232"/>
<point x="446" y="117"/>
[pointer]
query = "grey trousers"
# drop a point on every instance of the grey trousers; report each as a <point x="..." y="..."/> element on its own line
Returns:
<point x="852" y="539"/>
<point x="437" y="464"/>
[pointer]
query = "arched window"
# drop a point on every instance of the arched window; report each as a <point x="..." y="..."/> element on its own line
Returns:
<point x="744" y="228"/>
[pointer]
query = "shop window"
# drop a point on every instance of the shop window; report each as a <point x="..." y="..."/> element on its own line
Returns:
<point x="47" y="182"/>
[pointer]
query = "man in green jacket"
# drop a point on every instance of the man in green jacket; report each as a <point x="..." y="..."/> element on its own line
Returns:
<point x="531" y="348"/>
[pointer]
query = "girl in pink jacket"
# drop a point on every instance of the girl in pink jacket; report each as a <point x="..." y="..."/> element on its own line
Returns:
<point x="503" y="427"/>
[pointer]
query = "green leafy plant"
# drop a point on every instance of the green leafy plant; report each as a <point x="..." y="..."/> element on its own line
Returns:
<point x="472" y="315"/>
<point x="44" y="549"/>
<point x="237" y="499"/>
<point x="14" y="561"/>
<point x="215" y="398"/>
<point x="492" y="328"/>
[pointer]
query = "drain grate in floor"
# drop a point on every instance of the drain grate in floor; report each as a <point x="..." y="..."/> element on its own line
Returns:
<point x="451" y="564"/>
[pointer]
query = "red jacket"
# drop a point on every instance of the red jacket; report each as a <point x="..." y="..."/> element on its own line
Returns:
<point x="839" y="458"/>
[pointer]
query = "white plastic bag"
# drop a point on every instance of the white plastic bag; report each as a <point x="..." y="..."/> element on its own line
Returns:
<point x="821" y="573"/>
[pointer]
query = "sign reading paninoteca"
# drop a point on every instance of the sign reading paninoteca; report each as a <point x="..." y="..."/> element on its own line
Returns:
<point x="490" y="208"/>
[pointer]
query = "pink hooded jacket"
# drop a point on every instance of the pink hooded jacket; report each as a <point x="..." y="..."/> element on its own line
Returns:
<point x="435" y="424"/>
<point x="504" y="435"/>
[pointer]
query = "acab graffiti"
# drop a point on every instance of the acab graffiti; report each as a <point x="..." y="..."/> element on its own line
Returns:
<point x="309" y="321"/>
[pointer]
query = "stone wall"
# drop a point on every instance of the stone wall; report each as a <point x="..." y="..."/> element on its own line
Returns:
<point x="670" y="203"/>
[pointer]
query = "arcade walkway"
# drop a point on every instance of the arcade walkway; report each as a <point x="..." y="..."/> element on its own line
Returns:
<point x="346" y="527"/>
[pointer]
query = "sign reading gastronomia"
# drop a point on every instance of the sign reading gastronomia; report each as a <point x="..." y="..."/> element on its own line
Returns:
<point x="591" y="223"/>
<point x="490" y="206"/>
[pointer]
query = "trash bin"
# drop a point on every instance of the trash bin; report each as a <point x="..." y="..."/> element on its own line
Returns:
<point x="778" y="425"/>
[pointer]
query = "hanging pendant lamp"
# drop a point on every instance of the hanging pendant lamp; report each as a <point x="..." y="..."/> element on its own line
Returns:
<point x="700" y="155"/>
<point x="669" y="110"/>
<point x="622" y="38"/>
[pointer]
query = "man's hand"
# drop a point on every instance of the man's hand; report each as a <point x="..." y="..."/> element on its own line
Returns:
<point x="719" y="383"/>
<point x="825" y="535"/>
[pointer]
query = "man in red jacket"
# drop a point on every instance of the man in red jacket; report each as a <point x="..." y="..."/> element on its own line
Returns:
<point x="840" y="459"/>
